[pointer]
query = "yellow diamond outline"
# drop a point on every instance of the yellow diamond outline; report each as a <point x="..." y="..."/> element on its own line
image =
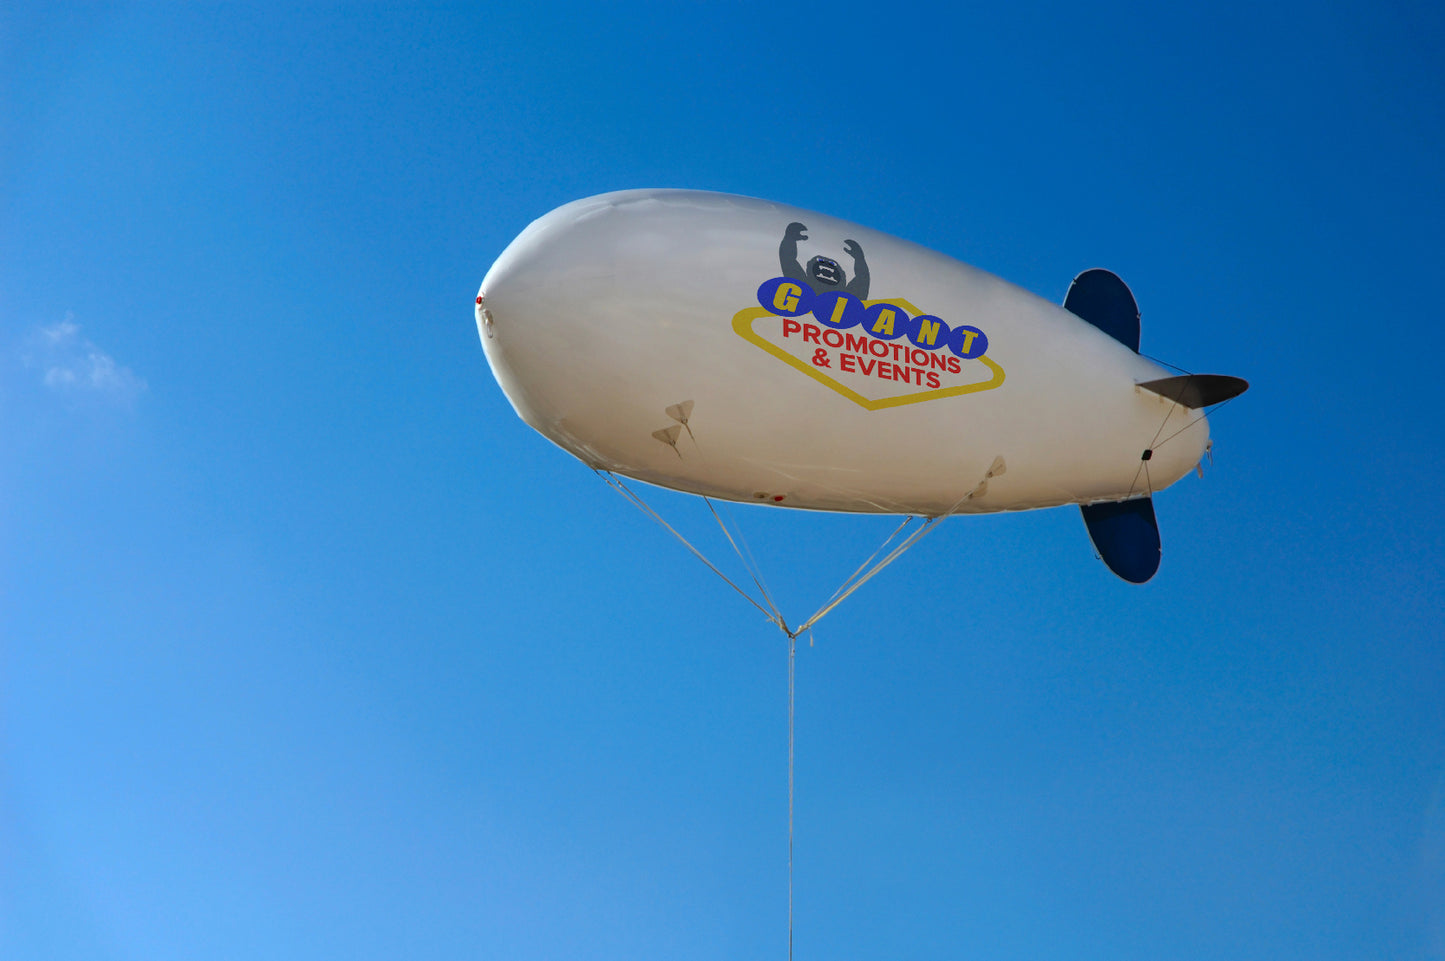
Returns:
<point x="743" y="322"/>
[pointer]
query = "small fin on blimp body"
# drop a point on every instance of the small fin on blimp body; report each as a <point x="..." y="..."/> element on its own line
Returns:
<point x="1126" y="535"/>
<point x="1101" y="298"/>
<point x="1198" y="390"/>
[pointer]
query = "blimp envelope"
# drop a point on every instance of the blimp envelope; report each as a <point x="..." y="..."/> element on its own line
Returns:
<point x="753" y="351"/>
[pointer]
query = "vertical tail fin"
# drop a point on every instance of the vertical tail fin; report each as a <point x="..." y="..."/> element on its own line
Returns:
<point x="1126" y="535"/>
<point x="1104" y="300"/>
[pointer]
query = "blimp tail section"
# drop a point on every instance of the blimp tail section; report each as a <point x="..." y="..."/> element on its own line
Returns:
<point x="1125" y="533"/>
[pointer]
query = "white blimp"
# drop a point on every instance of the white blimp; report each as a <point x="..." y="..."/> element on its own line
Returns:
<point x="753" y="351"/>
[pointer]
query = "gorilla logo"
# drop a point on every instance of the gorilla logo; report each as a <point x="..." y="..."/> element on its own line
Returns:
<point x="823" y="274"/>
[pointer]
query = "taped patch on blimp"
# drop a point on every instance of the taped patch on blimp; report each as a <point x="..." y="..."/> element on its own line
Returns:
<point x="876" y="353"/>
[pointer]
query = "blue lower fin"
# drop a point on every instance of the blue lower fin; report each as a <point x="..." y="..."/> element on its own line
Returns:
<point x="1126" y="535"/>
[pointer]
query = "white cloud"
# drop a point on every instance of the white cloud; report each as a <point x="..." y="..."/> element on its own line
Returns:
<point x="72" y="364"/>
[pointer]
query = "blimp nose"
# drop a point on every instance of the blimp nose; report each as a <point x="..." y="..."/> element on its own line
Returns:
<point x="486" y="328"/>
<point x="511" y="288"/>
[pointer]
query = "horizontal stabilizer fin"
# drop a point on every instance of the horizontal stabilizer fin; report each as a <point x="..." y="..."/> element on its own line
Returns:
<point x="1101" y="298"/>
<point x="1126" y="535"/>
<point x="1198" y="390"/>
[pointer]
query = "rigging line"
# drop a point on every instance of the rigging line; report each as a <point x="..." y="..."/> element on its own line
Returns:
<point x="1213" y="410"/>
<point x="792" y="673"/>
<point x="752" y="562"/>
<point x="888" y="540"/>
<point x="1157" y="443"/>
<point x="1166" y="363"/>
<point x="889" y="559"/>
<point x="647" y="509"/>
<point x="897" y="552"/>
<point x="751" y="568"/>
<point x="1154" y="441"/>
<point x="1174" y="401"/>
<point x="1135" y="482"/>
<point x="1181" y="430"/>
<point x="621" y="488"/>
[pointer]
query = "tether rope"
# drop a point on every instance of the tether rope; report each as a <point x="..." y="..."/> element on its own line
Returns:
<point x="792" y="673"/>
<point x="857" y="579"/>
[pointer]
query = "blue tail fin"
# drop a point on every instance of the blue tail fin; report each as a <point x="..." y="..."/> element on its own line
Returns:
<point x="1126" y="535"/>
<point x="1104" y="300"/>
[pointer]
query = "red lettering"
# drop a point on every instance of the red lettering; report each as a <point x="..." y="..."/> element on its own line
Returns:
<point x="918" y="366"/>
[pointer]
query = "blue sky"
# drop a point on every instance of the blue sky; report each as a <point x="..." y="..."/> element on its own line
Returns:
<point x="309" y="648"/>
